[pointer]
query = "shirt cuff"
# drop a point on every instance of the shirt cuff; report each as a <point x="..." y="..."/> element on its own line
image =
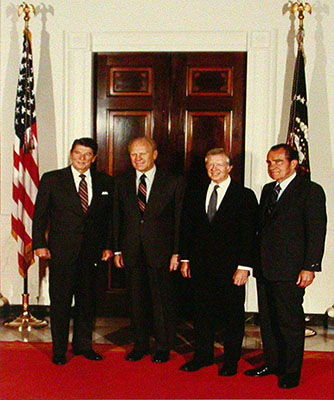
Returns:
<point x="244" y="268"/>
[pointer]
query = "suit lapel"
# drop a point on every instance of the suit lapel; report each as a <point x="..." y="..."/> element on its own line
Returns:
<point x="131" y="190"/>
<point x="226" y="201"/>
<point x="69" y="187"/>
<point x="156" y="193"/>
<point x="283" y="201"/>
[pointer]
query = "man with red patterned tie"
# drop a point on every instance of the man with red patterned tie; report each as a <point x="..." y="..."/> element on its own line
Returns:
<point x="146" y="221"/>
<point x="74" y="205"/>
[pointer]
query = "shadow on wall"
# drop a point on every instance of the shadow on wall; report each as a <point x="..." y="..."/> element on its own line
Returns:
<point x="45" y="107"/>
<point x="320" y="144"/>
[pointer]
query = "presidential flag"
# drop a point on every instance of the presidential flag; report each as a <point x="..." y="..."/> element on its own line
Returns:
<point x="298" y="124"/>
<point x="25" y="171"/>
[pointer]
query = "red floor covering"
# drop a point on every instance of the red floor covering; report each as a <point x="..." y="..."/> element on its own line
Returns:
<point x="26" y="373"/>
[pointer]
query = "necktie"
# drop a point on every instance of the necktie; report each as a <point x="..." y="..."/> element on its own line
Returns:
<point x="212" y="208"/>
<point x="272" y="200"/>
<point x="83" y="193"/>
<point x="141" y="195"/>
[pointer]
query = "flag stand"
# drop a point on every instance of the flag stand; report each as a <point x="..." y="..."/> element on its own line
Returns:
<point x="26" y="320"/>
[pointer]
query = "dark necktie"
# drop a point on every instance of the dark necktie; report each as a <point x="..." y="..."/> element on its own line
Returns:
<point x="212" y="207"/>
<point x="83" y="193"/>
<point x="141" y="195"/>
<point x="272" y="200"/>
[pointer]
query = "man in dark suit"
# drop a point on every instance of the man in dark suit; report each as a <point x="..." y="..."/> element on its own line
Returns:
<point x="147" y="209"/>
<point x="73" y="205"/>
<point x="217" y="246"/>
<point x="292" y="235"/>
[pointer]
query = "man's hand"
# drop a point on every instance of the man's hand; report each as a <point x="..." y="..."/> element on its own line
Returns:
<point x="240" y="277"/>
<point x="43" y="253"/>
<point x="185" y="269"/>
<point x="118" y="260"/>
<point x="107" y="255"/>
<point x="305" y="278"/>
<point x="174" y="262"/>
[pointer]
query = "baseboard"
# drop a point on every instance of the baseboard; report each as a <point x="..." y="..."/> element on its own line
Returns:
<point x="8" y="312"/>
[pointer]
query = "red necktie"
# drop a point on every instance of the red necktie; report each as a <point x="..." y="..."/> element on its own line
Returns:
<point x="141" y="195"/>
<point x="83" y="193"/>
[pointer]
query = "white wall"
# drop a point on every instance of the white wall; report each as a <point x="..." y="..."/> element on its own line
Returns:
<point x="202" y="20"/>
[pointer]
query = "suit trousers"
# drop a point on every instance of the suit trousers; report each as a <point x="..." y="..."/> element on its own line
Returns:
<point x="66" y="281"/>
<point x="218" y="299"/>
<point x="152" y="298"/>
<point x="282" y="324"/>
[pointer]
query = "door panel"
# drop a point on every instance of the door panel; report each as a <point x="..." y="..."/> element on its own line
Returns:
<point x="188" y="102"/>
<point x="123" y="126"/>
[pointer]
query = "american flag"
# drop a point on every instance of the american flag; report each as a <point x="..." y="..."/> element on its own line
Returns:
<point x="25" y="171"/>
<point x="298" y="124"/>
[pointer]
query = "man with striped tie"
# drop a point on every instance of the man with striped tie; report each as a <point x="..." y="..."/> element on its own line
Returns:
<point x="146" y="221"/>
<point x="74" y="205"/>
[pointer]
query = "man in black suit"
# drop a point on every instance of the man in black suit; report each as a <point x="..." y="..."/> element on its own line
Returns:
<point x="217" y="247"/>
<point x="73" y="205"/>
<point x="146" y="219"/>
<point x="292" y="235"/>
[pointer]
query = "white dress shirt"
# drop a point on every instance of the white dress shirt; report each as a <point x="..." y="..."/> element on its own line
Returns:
<point x="285" y="184"/>
<point x="76" y="176"/>
<point x="149" y="180"/>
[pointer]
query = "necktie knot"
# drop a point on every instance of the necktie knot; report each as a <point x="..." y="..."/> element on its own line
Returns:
<point x="142" y="178"/>
<point x="82" y="176"/>
<point x="278" y="188"/>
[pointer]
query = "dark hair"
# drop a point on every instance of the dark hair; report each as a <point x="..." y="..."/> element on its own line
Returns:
<point x="290" y="152"/>
<point x="87" y="142"/>
<point x="219" y="150"/>
<point x="146" y="139"/>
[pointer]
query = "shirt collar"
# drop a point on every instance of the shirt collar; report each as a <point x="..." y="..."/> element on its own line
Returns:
<point x="77" y="174"/>
<point x="149" y="174"/>
<point x="223" y="184"/>
<point x="286" y="181"/>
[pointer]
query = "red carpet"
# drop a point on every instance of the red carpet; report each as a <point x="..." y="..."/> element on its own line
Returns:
<point x="26" y="373"/>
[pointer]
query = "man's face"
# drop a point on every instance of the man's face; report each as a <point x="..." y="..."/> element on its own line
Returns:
<point x="279" y="167"/>
<point x="82" y="158"/>
<point x="142" y="156"/>
<point x="218" y="167"/>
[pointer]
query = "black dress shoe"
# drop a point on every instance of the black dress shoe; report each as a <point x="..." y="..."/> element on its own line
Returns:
<point x="195" y="365"/>
<point x="289" y="381"/>
<point x="59" y="360"/>
<point x="136" y="355"/>
<point x="228" y="370"/>
<point x="89" y="354"/>
<point x="261" y="371"/>
<point x="161" y="356"/>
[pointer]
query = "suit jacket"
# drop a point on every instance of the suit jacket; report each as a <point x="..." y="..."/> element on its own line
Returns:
<point x="229" y="240"/>
<point x="157" y="232"/>
<point x="293" y="238"/>
<point x="71" y="231"/>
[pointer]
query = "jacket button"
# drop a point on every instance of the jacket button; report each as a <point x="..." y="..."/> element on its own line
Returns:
<point x="142" y="221"/>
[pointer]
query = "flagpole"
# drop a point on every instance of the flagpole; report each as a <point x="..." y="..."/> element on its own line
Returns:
<point x="26" y="320"/>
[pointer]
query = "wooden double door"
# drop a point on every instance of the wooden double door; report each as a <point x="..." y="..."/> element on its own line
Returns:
<point x="187" y="102"/>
